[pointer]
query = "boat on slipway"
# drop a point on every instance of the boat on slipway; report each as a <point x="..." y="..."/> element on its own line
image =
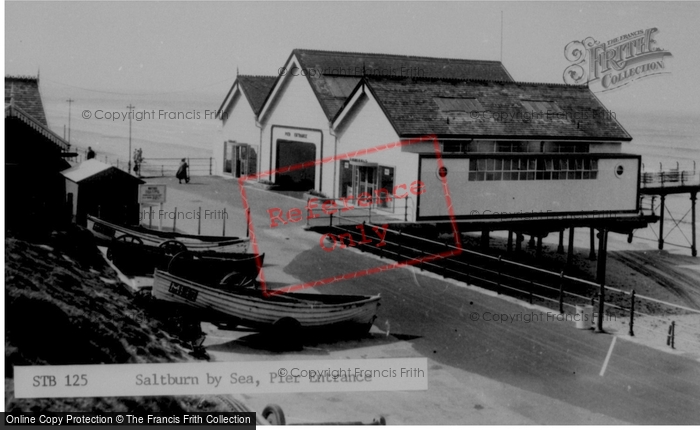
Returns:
<point x="251" y="307"/>
<point x="108" y="231"/>
<point x="133" y="258"/>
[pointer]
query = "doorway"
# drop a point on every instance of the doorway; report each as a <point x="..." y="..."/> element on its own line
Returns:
<point x="364" y="180"/>
<point x="292" y="154"/>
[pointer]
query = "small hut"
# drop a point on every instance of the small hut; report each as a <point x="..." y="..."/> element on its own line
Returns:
<point x="98" y="189"/>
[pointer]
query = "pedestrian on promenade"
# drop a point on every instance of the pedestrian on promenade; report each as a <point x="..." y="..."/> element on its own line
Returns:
<point x="90" y="153"/>
<point x="182" y="172"/>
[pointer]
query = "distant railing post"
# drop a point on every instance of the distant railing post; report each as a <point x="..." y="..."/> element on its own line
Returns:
<point x="199" y="221"/>
<point x="209" y="166"/>
<point x="631" y="332"/>
<point x="670" y="340"/>
<point x="150" y="216"/>
<point x="223" y="232"/>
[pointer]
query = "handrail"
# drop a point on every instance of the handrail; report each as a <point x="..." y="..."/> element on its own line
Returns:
<point x="567" y="277"/>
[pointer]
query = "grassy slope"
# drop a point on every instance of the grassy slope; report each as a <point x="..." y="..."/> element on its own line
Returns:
<point x="63" y="307"/>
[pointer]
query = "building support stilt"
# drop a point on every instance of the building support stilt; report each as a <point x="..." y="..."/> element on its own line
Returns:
<point x="519" y="242"/>
<point x="591" y="255"/>
<point x="560" y="249"/>
<point x="509" y="249"/>
<point x="538" y="251"/>
<point x="570" y="254"/>
<point x="531" y="243"/>
<point x="485" y="239"/>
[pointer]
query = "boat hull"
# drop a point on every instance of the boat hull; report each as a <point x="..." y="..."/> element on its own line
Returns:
<point x="249" y="308"/>
<point x="133" y="259"/>
<point x="108" y="231"/>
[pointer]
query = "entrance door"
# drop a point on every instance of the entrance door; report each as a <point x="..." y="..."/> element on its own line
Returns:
<point x="292" y="154"/>
<point x="364" y="180"/>
<point x="237" y="159"/>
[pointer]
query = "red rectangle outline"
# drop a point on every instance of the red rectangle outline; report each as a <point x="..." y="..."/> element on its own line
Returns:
<point x="348" y="155"/>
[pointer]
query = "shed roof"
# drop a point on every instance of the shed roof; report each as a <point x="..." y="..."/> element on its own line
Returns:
<point x="91" y="168"/>
<point x="23" y="92"/>
<point x="492" y="109"/>
<point x="254" y="87"/>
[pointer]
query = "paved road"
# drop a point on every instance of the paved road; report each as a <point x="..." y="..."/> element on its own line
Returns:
<point x="448" y="324"/>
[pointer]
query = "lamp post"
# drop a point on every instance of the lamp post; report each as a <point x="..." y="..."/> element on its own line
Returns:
<point x="130" y="107"/>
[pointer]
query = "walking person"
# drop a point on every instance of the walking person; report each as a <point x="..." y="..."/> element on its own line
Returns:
<point x="90" y="153"/>
<point x="182" y="172"/>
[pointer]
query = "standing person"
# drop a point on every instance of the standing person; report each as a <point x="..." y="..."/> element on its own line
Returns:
<point x="90" y="153"/>
<point x="182" y="172"/>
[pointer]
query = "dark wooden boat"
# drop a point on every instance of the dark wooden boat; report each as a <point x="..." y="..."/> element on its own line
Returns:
<point x="107" y="231"/>
<point x="250" y="308"/>
<point x="136" y="259"/>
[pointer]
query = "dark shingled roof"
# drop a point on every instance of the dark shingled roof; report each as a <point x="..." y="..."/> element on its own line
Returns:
<point x="333" y="75"/>
<point x="24" y="93"/>
<point x="418" y="107"/>
<point x="256" y="89"/>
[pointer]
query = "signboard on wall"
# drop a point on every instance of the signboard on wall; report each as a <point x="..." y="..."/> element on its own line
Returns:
<point x="152" y="193"/>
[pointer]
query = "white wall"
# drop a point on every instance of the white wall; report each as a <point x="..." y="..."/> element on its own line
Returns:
<point x="368" y="127"/>
<point x="296" y="106"/>
<point x="473" y="198"/>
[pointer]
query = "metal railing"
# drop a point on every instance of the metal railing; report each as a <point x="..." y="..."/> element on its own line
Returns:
<point x="522" y="281"/>
<point x="158" y="167"/>
<point x="673" y="176"/>
<point x="155" y="167"/>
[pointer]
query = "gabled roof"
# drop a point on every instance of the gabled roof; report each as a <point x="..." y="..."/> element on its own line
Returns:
<point x="23" y="91"/>
<point x="490" y="109"/>
<point x="255" y="89"/>
<point x="91" y="168"/>
<point x="333" y="75"/>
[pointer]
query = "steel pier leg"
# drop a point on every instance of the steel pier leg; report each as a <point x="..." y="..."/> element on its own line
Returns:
<point x="661" y="222"/>
<point x="693" y="248"/>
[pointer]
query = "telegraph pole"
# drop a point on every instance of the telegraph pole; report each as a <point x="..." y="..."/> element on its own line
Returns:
<point x="70" y="102"/>
<point x="130" y="107"/>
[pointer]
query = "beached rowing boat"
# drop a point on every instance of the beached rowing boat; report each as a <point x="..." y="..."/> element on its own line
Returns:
<point x="248" y="306"/>
<point x="107" y="231"/>
<point x="136" y="259"/>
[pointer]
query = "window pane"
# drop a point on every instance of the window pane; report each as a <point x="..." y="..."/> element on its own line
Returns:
<point x="498" y="165"/>
<point x="472" y="165"/>
<point x="532" y="164"/>
<point x="482" y="164"/>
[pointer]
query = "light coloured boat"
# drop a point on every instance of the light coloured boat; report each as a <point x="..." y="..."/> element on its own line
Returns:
<point x="108" y="231"/>
<point x="248" y="306"/>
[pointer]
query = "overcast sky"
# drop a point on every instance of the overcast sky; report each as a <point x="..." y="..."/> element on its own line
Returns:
<point x="154" y="47"/>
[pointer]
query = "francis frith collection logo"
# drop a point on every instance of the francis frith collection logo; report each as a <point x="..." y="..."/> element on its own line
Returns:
<point x="610" y="65"/>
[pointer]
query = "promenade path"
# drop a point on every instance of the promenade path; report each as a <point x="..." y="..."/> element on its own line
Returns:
<point x="480" y="371"/>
